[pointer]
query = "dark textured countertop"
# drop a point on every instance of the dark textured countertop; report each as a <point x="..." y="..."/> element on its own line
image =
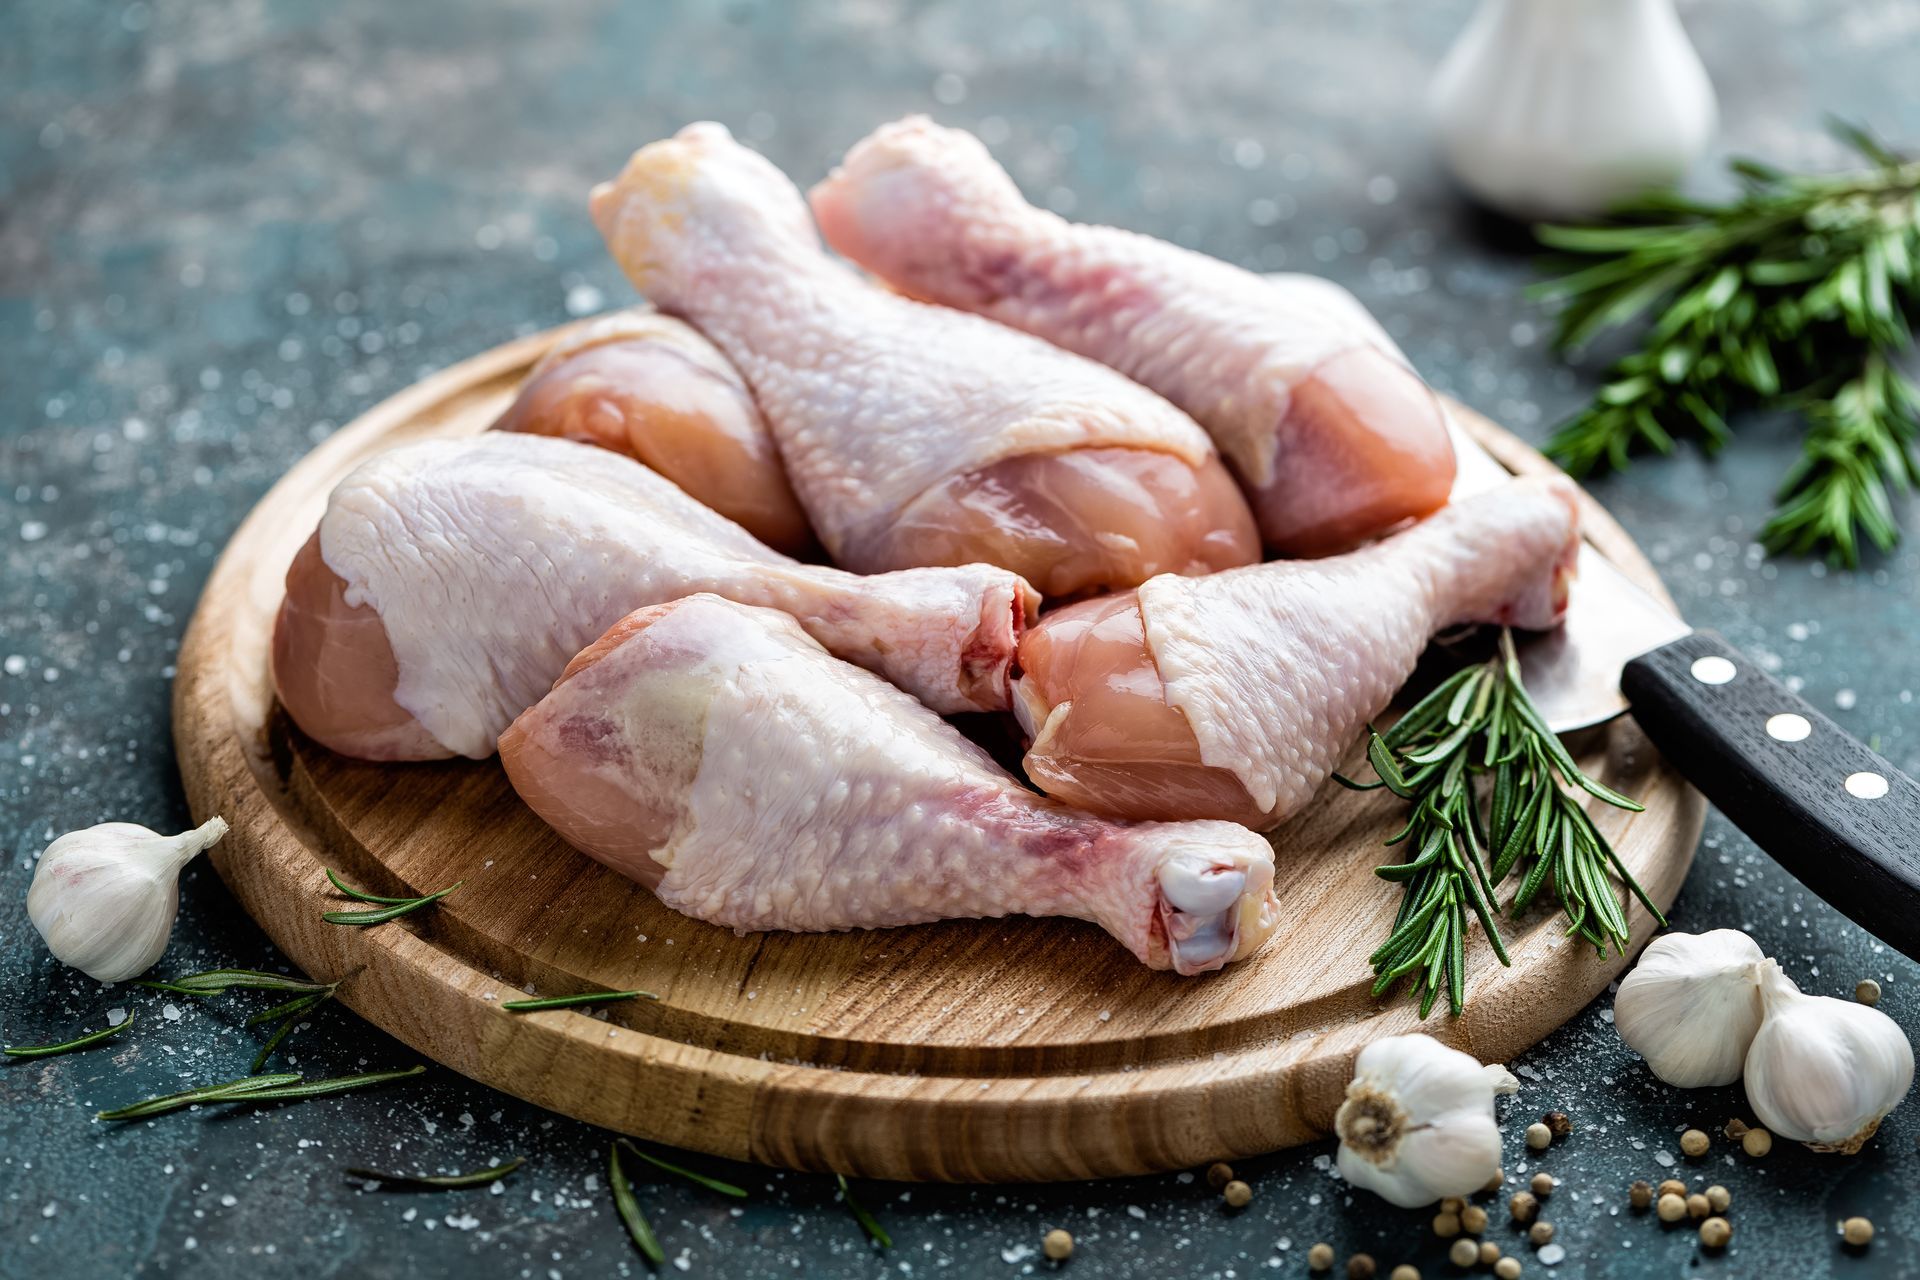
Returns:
<point x="228" y="227"/>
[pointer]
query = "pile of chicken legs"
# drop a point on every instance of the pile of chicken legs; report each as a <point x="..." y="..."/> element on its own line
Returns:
<point x="730" y="558"/>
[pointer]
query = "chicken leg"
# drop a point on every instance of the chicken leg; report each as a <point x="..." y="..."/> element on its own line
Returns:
<point x="450" y="582"/>
<point x="720" y="757"/>
<point x="1234" y="696"/>
<point x="1334" y="436"/>
<point x="913" y="434"/>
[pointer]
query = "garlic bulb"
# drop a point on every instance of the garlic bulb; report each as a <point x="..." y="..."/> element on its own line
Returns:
<point x="1560" y="108"/>
<point x="1824" y="1071"/>
<point x="104" y="898"/>
<point x="1417" y="1125"/>
<point x="1692" y="1006"/>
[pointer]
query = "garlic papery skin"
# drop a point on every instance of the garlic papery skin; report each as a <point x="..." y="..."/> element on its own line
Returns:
<point x="104" y="898"/>
<point x="1417" y="1125"/>
<point x="1561" y="108"/>
<point x="1824" y="1071"/>
<point x="1692" y="1006"/>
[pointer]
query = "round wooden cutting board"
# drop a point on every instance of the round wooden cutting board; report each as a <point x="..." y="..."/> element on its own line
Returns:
<point x="970" y="1050"/>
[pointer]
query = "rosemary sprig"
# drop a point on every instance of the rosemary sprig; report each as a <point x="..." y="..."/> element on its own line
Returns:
<point x="439" y="1181"/>
<point x="396" y="907"/>
<point x="1479" y="723"/>
<point x="1799" y="293"/>
<point x="290" y="1015"/>
<point x="207" y="1093"/>
<point x="68" y="1046"/>
<point x="701" y="1179"/>
<point x="629" y="1209"/>
<point x="568" y="1002"/>
<point x="278" y="1087"/>
<point x="868" y="1223"/>
<point x="217" y="981"/>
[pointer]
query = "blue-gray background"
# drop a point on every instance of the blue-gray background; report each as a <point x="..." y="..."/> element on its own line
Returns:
<point x="227" y="227"/>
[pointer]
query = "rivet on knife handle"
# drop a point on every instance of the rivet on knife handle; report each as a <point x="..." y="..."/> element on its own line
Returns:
<point x="1839" y="817"/>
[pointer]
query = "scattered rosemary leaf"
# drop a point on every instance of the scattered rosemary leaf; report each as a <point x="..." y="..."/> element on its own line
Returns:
<point x="636" y="1222"/>
<point x="299" y="1004"/>
<point x="215" y="981"/>
<point x="361" y="894"/>
<point x="320" y="1088"/>
<point x="206" y="1093"/>
<point x="585" y="997"/>
<point x="711" y="1184"/>
<point x="867" y="1221"/>
<point x="439" y="1182"/>
<point x="294" y="1010"/>
<point x="385" y="914"/>
<point x="279" y="1087"/>
<point x="78" y="1042"/>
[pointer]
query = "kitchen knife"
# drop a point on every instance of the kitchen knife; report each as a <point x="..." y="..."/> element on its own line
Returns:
<point x="1835" y="814"/>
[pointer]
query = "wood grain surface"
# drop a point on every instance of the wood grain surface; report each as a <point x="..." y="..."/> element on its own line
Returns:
<point x="981" y="1051"/>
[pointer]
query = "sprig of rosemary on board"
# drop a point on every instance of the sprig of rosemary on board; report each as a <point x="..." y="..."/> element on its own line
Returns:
<point x="1799" y="293"/>
<point x="68" y="1046"/>
<point x="392" y="908"/>
<point x="568" y="1002"/>
<point x="1480" y="724"/>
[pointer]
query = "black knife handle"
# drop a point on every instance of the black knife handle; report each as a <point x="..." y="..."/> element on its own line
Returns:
<point x="1842" y="820"/>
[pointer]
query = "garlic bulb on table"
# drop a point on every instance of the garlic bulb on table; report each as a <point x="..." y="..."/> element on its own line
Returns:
<point x="1560" y="108"/>
<point x="1417" y="1124"/>
<point x="1692" y="1006"/>
<point x="104" y="898"/>
<point x="1824" y="1071"/>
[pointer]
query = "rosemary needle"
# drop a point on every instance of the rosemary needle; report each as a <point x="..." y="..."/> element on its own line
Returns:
<point x="565" y="1002"/>
<point x="362" y="894"/>
<point x="294" y="1010"/>
<point x="320" y="1088"/>
<point x="394" y="912"/>
<point x="629" y="1208"/>
<point x="711" y="1184"/>
<point x="280" y="1087"/>
<point x="206" y="1093"/>
<point x="215" y="981"/>
<point x="868" y="1223"/>
<point x="440" y="1182"/>
<point x="78" y="1042"/>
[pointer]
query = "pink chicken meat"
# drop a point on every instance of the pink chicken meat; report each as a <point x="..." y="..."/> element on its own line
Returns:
<point x="1333" y="435"/>
<point x="450" y="582"/>
<point x="913" y="434"/>
<point x="651" y="387"/>
<point x="716" y="754"/>
<point x="1234" y="696"/>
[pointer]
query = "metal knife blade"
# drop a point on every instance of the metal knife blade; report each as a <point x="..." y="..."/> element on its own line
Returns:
<point x="1573" y="674"/>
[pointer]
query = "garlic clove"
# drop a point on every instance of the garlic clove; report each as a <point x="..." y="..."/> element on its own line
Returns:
<point x="1824" y="1071"/>
<point x="104" y="899"/>
<point x="1691" y="1006"/>
<point x="1417" y="1123"/>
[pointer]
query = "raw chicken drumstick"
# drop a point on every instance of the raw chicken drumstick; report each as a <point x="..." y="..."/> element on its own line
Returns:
<point x="651" y="387"/>
<point x="1234" y="696"/>
<point x="913" y="434"/>
<point x="719" y="756"/>
<point x="450" y="582"/>
<point x="1334" y="436"/>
